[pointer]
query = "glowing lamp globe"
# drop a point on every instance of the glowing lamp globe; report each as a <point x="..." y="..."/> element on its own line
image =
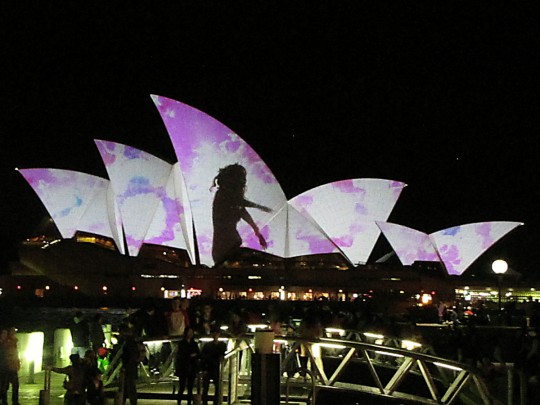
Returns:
<point x="499" y="266"/>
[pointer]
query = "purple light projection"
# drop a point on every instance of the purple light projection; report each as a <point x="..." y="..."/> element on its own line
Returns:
<point x="145" y="184"/>
<point x="347" y="210"/>
<point x="409" y="244"/>
<point x="457" y="247"/>
<point x="77" y="202"/>
<point x="203" y="146"/>
<point x="460" y="246"/>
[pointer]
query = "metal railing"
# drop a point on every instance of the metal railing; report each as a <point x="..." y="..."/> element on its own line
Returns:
<point x="339" y="364"/>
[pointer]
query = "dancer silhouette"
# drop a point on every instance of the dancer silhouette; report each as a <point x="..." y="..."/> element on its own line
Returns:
<point x="228" y="209"/>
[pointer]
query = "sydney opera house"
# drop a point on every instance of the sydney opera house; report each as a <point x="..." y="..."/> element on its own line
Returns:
<point x="217" y="222"/>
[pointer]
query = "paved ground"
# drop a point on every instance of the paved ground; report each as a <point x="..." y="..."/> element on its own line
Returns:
<point x="29" y="392"/>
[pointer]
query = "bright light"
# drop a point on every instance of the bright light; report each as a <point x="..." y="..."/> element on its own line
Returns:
<point x="104" y="288"/>
<point x="331" y="345"/>
<point x="373" y="335"/>
<point x="223" y="327"/>
<point x="76" y="287"/>
<point x="447" y="366"/>
<point x="409" y="344"/>
<point x="32" y="347"/>
<point x="426" y="299"/>
<point x="47" y="287"/>
<point x="499" y="266"/>
<point x="341" y="332"/>
<point x="389" y="354"/>
<point x="133" y="288"/>
<point x="254" y="327"/>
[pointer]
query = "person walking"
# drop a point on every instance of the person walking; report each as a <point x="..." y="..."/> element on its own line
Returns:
<point x="186" y="368"/>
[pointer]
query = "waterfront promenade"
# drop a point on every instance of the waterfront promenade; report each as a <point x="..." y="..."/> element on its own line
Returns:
<point x="29" y="392"/>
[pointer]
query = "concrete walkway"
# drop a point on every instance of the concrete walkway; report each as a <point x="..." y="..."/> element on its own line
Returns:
<point x="29" y="392"/>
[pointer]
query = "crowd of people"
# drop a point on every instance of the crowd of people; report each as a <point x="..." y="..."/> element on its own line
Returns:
<point x="183" y="323"/>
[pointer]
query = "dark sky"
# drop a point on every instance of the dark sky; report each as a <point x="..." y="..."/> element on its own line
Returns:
<point x="444" y="97"/>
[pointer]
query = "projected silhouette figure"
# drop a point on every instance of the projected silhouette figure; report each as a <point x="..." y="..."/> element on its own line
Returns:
<point x="228" y="208"/>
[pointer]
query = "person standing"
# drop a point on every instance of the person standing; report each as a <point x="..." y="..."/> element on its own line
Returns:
<point x="175" y="319"/>
<point x="75" y="380"/>
<point x="80" y="334"/>
<point x="131" y="357"/>
<point x="12" y="366"/>
<point x="212" y="354"/>
<point x="186" y="364"/>
<point x="3" y="367"/>
<point x="95" y="330"/>
<point x="184" y="307"/>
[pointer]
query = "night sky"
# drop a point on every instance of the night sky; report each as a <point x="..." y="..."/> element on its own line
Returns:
<point x="444" y="97"/>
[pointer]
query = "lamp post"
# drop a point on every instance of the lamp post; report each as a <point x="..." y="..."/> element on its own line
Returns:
<point x="499" y="267"/>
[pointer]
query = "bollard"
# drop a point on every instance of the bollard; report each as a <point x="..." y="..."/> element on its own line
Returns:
<point x="265" y="379"/>
<point x="45" y="393"/>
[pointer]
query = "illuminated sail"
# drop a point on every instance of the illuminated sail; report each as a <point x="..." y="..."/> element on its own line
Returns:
<point x="457" y="247"/>
<point x="347" y="210"/>
<point x="203" y="146"/>
<point x="77" y="202"/>
<point x="148" y="193"/>
<point x="460" y="246"/>
<point x="409" y="244"/>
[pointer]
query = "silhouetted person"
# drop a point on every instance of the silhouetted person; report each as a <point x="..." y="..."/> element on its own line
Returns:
<point x="131" y="357"/>
<point x="80" y="334"/>
<point x="75" y="383"/>
<point x="186" y="364"/>
<point x="205" y="321"/>
<point x="211" y="355"/>
<point x="97" y="336"/>
<point x="95" y="394"/>
<point x="12" y="364"/>
<point x="228" y="209"/>
<point x="3" y="366"/>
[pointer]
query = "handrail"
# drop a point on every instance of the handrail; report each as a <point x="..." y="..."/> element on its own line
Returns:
<point x="387" y="368"/>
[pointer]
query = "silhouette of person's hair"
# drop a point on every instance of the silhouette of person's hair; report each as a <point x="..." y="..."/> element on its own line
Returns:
<point x="228" y="209"/>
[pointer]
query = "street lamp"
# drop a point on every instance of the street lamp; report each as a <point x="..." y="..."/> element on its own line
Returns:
<point x="499" y="267"/>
